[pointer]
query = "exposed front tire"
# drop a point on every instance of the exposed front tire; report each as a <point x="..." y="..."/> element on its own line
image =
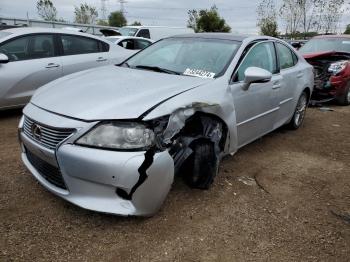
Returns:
<point x="299" y="113"/>
<point x="344" y="100"/>
<point x="203" y="165"/>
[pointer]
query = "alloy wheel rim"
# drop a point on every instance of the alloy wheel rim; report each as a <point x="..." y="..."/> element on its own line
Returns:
<point x="348" y="96"/>
<point x="300" y="111"/>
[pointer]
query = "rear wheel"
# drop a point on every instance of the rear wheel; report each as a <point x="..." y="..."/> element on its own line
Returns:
<point x="344" y="100"/>
<point x="202" y="165"/>
<point x="299" y="113"/>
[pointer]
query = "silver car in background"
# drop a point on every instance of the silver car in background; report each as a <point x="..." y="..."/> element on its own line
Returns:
<point x="112" y="139"/>
<point x="32" y="57"/>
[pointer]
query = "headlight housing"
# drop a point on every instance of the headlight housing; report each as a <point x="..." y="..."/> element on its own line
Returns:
<point x="118" y="136"/>
<point x="336" y="68"/>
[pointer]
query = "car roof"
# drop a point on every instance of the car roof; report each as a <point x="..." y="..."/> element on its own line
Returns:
<point x="332" y="36"/>
<point x="222" y="36"/>
<point x="30" y="30"/>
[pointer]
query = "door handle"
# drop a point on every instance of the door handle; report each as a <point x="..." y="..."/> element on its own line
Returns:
<point x="52" y="65"/>
<point x="300" y="75"/>
<point x="101" y="59"/>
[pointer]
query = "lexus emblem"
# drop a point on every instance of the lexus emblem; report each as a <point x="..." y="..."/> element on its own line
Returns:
<point x="36" y="131"/>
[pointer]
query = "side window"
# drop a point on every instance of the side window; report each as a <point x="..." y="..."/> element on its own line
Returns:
<point x="42" y="46"/>
<point x="285" y="56"/>
<point x="262" y="55"/>
<point x="144" y="33"/>
<point x="104" y="47"/>
<point x="16" y="49"/>
<point x="75" y="45"/>
<point x="141" y="44"/>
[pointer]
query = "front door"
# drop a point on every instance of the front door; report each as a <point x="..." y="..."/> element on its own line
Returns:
<point x="256" y="108"/>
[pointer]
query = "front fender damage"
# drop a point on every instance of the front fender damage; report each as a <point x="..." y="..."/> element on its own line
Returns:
<point x="174" y="135"/>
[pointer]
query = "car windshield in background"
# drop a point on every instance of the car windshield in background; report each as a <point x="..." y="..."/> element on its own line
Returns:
<point x="127" y="31"/>
<point x="4" y="34"/>
<point x="187" y="56"/>
<point x="326" y="45"/>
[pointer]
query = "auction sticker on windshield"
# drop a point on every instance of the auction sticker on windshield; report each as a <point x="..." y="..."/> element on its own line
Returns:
<point x="199" y="73"/>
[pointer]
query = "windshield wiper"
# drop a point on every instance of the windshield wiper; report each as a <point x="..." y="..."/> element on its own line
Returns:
<point x="157" y="69"/>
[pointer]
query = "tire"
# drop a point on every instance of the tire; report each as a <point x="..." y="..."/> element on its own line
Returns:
<point x="299" y="113"/>
<point x="344" y="100"/>
<point x="202" y="166"/>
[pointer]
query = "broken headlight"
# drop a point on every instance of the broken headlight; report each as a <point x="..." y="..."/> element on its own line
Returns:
<point x="118" y="135"/>
<point x="336" y="68"/>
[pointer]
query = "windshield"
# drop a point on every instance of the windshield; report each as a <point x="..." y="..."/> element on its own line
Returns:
<point x="4" y="34"/>
<point x="187" y="56"/>
<point x="127" y="31"/>
<point x="325" y="45"/>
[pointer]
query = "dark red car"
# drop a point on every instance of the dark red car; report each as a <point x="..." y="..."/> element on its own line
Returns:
<point x="330" y="57"/>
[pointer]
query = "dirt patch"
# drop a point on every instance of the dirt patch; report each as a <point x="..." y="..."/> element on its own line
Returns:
<point x="292" y="207"/>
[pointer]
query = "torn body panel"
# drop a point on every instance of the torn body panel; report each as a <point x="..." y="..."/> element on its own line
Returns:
<point x="200" y="120"/>
<point x="329" y="84"/>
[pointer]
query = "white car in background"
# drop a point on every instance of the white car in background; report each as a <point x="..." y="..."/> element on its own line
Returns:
<point x="154" y="32"/>
<point x="130" y="42"/>
<point x="32" y="57"/>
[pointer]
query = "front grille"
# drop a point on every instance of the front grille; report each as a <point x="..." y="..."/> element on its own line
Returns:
<point x="51" y="173"/>
<point x="48" y="137"/>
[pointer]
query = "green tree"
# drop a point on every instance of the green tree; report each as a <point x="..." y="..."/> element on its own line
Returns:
<point x="46" y="10"/>
<point x="117" y="19"/>
<point x="347" y="30"/>
<point x="136" y="23"/>
<point x="85" y="14"/>
<point x="267" y="18"/>
<point x="207" y="21"/>
<point x="102" y="22"/>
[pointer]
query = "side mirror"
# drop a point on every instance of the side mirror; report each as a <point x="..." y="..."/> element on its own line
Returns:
<point x="4" y="59"/>
<point x="255" y="75"/>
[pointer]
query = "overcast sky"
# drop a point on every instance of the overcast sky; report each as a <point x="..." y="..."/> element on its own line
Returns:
<point x="239" y="14"/>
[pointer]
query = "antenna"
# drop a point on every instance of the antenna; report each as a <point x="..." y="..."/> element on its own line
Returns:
<point x="104" y="9"/>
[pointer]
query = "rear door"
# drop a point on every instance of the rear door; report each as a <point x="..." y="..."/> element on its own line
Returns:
<point x="256" y="108"/>
<point x="81" y="53"/>
<point x="33" y="62"/>
<point x="292" y="77"/>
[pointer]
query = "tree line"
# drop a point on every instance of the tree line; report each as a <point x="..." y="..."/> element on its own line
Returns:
<point x="83" y="14"/>
<point x="300" y="18"/>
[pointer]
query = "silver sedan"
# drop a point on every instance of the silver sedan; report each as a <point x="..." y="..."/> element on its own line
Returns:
<point x="32" y="57"/>
<point x="112" y="139"/>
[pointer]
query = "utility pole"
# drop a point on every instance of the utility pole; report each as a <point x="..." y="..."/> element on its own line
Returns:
<point x="104" y="9"/>
<point x="122" y="2"/>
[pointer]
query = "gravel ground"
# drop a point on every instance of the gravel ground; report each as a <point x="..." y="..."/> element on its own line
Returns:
<point x="283" y="198"/>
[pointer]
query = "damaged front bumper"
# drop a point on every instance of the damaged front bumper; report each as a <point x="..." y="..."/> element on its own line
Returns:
<point x="123" y="183"/>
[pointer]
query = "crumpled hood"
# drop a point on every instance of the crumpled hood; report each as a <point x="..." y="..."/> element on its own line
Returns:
<point x="111" y="92"/>
<point x="325" y="54"/>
